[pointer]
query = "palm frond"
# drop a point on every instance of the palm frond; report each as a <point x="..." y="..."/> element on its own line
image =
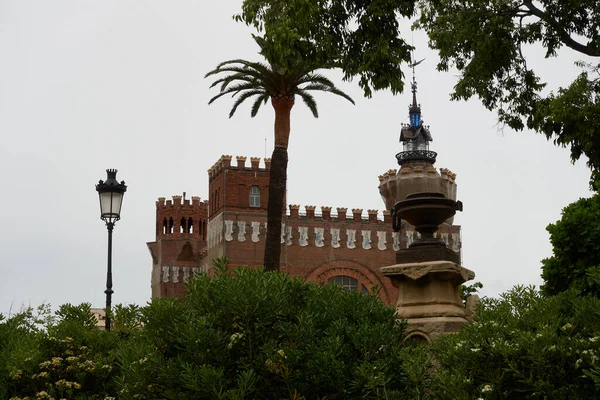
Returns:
<point x="326" y="88"/>
<point x="243" y="97"/>
<point x="225" y="81"/>
<point x="262" y="99"/>
<point x="234" y="90"/>
<point x="316" y="78"/>
<point x="310" y="102"/>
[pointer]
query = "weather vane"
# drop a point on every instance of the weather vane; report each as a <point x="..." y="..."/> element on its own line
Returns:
<point x="414" y="80"/>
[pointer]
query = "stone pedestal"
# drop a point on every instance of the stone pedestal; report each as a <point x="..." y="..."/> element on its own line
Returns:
<point x="429" y="297"/>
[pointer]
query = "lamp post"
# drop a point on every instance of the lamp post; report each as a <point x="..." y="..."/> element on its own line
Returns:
<point x="111" y="197"/>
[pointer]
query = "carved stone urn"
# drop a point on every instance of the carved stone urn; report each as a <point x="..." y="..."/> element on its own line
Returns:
<point x="427" y="273"/>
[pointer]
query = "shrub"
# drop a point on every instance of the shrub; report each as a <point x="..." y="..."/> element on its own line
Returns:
<point x="57" y="357"/>
<point x="523" y="346"/>
<point x="254" y="334"/>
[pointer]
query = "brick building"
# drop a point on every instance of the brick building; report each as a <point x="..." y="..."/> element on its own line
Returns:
<point x="342" y="247"/>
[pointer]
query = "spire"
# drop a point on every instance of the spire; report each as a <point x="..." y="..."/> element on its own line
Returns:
<point x="414" y="110"/>
<point x="415" y="137"/>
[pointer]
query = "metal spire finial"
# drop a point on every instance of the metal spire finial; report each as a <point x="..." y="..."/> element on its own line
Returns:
<point x="413" y="85"/>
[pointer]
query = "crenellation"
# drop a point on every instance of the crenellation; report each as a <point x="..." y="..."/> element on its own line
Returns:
<point x="294" y="211"/>
<point x="372" y="215"/>
<point x="254" y="162"/>
<point x="310" y="212"/>
<point x="341" y="212"/>
<point x="226" y="161"/>
<point x="357" y="214"/>
<point x="241" y="162"/>
<point x="326" y="213"/>
<point x="387" y="217"/>
<point x="267" y="164"/>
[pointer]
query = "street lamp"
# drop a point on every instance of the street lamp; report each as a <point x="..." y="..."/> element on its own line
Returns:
<point x="111" y="197"/>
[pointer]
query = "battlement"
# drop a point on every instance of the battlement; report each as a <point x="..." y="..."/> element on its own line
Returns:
<point x="181" y="217"/>
<point x="224" y="163"/>
<point x="178" y="201"/>
<point x="341" y="215"/>
<point x="445" y="173"/>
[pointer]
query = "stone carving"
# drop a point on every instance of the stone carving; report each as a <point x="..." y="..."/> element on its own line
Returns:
<point x="335" y="237"/>
<point x="283" y="231"/>
<point x="351" y="242"/>
<point x="455" y="242"/>
<point x="396" y="238"/>
<point x="319" y="237"/>
<point x="165" y="271"/>
<point x="445" y="238"/>
<point x="196" y="271"/>
<point x="409" y="237"/>
<point x="303" y="231"/>
<point x="186" y="275"/>
<point x="255" y="231"/>
<point x="381" y="240"/>
<point x="175" y="274"/>
<point x="215" y="231"/>
<point x="366" y="240"/>
<point x="288" y="241"/>
<point x="228" y="230"/>
<point x="241" y="231"/>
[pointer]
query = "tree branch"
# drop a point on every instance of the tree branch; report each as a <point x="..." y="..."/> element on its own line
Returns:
<point x="564" y="36"/>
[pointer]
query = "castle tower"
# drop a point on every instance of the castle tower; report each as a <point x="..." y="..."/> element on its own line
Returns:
<point x="238" y="194"/>
<point x="428" y="272"/>
<point x="179" y="248"/>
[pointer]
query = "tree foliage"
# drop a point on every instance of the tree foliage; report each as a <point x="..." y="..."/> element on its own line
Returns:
<point x="575" y="239"/>
<point x="252" y="334"/>
<point x="523" y="346"/>
<point x="361" y="38"/>
<point x="484" y="41"/>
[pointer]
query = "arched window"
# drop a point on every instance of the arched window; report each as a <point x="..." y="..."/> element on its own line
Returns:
<point x="254" y="196"/>
<point x="348" y="283"/>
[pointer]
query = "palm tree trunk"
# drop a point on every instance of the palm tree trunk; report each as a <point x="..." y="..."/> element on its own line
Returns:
<point x="277" y="181"/>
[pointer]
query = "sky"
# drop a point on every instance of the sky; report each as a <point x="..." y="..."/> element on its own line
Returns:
<point x="90" y="85"/>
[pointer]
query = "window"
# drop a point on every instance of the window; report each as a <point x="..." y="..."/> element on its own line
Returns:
<point x="346" y="282"/>
<point x="254" y="196"/>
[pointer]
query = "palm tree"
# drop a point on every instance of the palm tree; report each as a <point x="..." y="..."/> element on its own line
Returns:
<point x="247" y="79"/>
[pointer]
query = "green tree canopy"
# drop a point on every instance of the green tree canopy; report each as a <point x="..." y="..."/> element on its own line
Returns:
<point x="361" y="38"/>
<point x="575" y="242"/>
<point x="483" y="40"/>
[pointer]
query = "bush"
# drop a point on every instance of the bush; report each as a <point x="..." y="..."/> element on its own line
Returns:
<point x="61" y="357"/>
<point x="523" y="346"/>
<point x="255" y="334"/>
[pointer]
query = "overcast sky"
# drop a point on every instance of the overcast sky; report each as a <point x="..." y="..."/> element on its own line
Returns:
<point x="90" y="85"/>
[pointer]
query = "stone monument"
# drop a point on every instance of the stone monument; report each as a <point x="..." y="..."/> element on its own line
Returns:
<point x="427" y="273"/>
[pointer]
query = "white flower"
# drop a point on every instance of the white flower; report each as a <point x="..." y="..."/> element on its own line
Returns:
<point x="475" y="349"/>
<point x="487" y="389"/>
